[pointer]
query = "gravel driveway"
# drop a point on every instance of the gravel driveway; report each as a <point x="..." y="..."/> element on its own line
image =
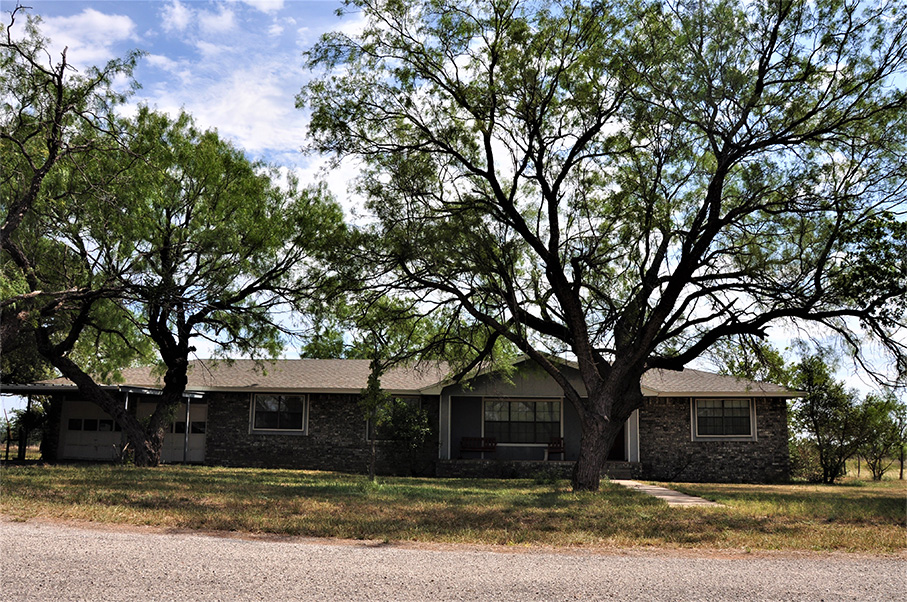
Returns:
<point x="47" y="561"/>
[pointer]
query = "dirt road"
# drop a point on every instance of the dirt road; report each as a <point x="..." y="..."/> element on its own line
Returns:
<point x="58" y="562"/>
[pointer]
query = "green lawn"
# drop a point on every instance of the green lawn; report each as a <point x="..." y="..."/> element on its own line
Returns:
<point x="865" y="518"/>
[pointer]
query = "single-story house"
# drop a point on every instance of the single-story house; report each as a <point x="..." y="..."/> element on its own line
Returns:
<point x="694" y="425"/>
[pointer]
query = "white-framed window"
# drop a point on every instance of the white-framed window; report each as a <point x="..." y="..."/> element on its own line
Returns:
<point x="733" y="418"/>
<point x="522" y="420"/>
<point x="279" y="413"/>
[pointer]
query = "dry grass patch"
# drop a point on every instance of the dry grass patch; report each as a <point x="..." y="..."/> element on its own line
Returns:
<point x="853" y="515"/>
<point x="480" y="511"/>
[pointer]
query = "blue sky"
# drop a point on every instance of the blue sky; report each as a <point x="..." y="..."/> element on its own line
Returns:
<point x="235" y="65"/>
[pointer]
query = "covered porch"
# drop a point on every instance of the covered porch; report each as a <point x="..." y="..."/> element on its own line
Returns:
<point x="521" y="424"/>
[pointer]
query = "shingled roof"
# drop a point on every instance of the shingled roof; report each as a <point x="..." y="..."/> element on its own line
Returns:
<point x="342" y="375"/>
<point x="301" y="375"/>
<point x="697" y="383"/>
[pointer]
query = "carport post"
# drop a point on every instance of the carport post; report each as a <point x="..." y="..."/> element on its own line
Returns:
<point x="23" y="429"/>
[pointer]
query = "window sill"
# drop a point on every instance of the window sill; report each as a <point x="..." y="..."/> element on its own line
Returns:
<point x="277" y="432"/>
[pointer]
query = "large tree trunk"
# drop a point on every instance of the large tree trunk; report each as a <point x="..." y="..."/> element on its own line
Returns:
<point x="610" y="403"/>
<point x="144" y="453"/>
<point x="598" y="436"/>
<point x="175" y="381"/>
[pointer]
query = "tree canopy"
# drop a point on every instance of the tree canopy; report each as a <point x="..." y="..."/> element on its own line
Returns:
<point x="629" y="183"/>
<point x="833" y="419"/>
<point x="53" y="119"/>
<point x="158" y="237"/>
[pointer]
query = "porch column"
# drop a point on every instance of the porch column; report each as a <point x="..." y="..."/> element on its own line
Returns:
<point x="633" y="437"/>
<point x="444" y="427"/>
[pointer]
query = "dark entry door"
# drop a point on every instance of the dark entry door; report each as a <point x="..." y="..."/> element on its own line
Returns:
<point x="618" y="451"/>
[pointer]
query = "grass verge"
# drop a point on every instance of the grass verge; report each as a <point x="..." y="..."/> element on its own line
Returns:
<point x="868" y="518"/>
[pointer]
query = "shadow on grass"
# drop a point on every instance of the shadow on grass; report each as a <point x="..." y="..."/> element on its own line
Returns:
<point x="454" y="510"/>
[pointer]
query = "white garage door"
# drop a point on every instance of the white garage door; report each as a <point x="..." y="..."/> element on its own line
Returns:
<point x="89" y="433"/>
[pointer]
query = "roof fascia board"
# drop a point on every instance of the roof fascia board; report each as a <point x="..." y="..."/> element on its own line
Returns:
<point x="701" y="394"/>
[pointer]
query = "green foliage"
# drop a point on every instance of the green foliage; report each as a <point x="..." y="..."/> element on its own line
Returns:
<point x="836" y="423"/>
<point x="130" y="237"/>
<point x="54" y="122"/>
<point x="31" y="420"/>
<point x="889" y="433"/>
<point x="804" y="460"/>
<point x="21" y="363"/>
<point x="404" y="423"/>
<point x="373" y="398"/>
<point x="218" y="247"/>
<point x="747" y="357"/>
<point x="629" y="183"/>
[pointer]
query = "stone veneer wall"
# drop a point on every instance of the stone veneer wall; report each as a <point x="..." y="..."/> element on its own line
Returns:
<point x="336" y="439"/>
<point x="667" y="452"/>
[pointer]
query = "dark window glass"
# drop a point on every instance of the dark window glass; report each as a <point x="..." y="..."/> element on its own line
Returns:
<point x="197" y="427"/>
<point x="522" y="421"/>
<point x="90" y="424"/>
<point x="75" y="424"/>
<point x="723" y="417"/>
<point x="179" y="427"/>
<point x="279" y="412"/>
<point x="105" y="425"/>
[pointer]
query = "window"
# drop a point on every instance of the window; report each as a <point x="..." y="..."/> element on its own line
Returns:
<point x="724" y="418"/>
<point x="195" y="428"/>
<point x="522" y="421"/>
<point x="278" y="413"/>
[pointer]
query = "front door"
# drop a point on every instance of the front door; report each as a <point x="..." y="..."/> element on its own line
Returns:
<point x="618" y="451"/>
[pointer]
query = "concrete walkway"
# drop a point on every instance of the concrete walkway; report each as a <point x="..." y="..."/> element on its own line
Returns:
<point x="673" y="498"/>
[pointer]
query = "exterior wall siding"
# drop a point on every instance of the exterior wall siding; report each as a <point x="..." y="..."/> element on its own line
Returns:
<point x="336" y="438"/>
<point x="668" y="453"/>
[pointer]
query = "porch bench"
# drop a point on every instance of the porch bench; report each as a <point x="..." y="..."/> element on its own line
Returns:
<point x="478" y="444"/>
<point x="555" y="446"/>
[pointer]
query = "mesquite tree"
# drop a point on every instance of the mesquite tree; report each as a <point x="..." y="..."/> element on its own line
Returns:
<point x="201" y="245"/>
<point x="628" y="182"/>
<point x="126" y="237"/>
<point x="52" y="119"/>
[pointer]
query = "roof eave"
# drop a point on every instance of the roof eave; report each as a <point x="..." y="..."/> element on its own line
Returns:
<point x="700" y="394"/>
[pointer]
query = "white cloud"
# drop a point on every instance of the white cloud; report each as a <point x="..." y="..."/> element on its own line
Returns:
<point x="161" y="62"/>
<point x="353" y="24"/>
<point x="252" y="105"/>
<point x="209" y="50"/>
<point x="220" y="22"/>
<point x="339" y="181"/>
<point x="176" y="16"/>
<point x="275" y="30"/>
<point x="90" y="36"/>
<point x="265" y="6"/>
<point x="255" y="108"/>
